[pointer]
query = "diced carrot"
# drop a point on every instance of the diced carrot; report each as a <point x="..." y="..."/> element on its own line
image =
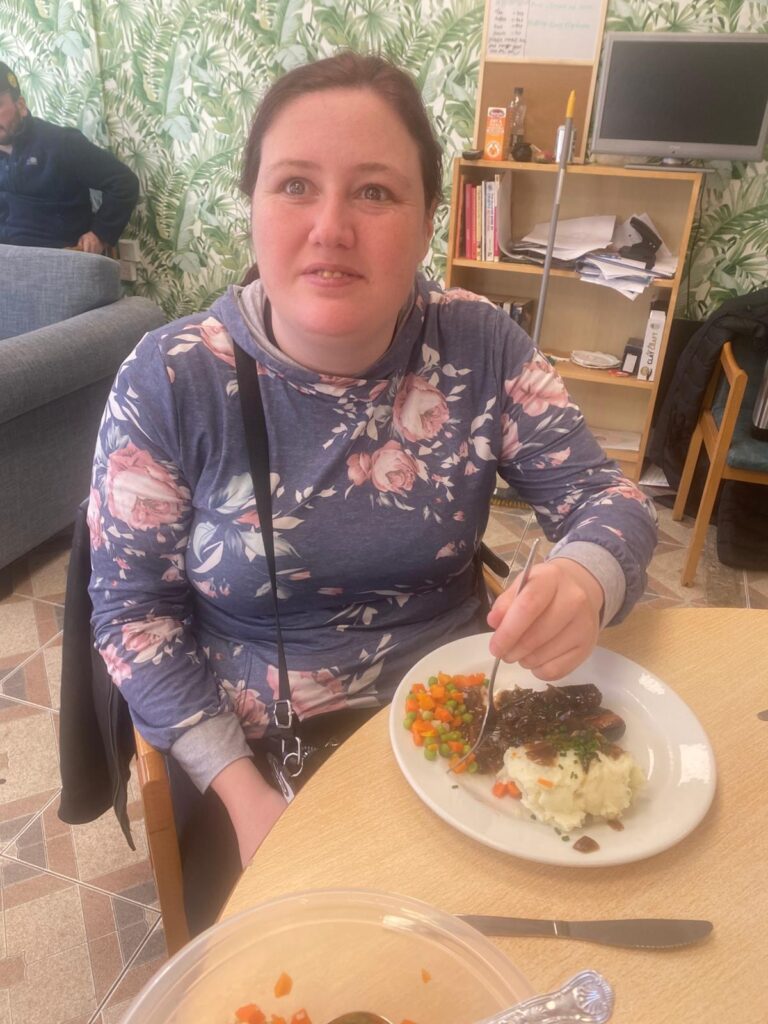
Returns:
<point x="545" y="783"/>
<point x="500" y="789"/>
<point x="250" y="1014"/>
<point x="443" y="714"/>
<point x="437" y="691"/>
<point x="443" y="677"/>
<point x="513" y="790"/>
<point x="411" y="704"/>
<point x="456" y="746"/>
<point x="426" y="702"/>
<point x="418" y="688"/>
<point x="425" y="975"/>
<point x="457" y="721"/>
<point x="459" y="681"/>
<point x="406" y="1021"/>
<point x="301" y="1017"/>
<point x="275" y="1019"/>
<point x="457" y="764"/>
<point x="283" y="985"/>
<point x="418" y="739"/>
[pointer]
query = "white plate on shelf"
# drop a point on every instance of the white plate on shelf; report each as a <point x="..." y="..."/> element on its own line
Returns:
<point x="595" y="360"/>
<point x="663" y="735"/>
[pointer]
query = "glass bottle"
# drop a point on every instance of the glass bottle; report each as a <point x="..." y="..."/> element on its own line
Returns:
<point x="516" y="119"/>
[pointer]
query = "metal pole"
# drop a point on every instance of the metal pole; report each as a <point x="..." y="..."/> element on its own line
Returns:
<point x="565" y="149"/>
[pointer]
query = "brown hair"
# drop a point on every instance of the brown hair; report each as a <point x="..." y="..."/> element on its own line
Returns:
<point x="348" y="70"/>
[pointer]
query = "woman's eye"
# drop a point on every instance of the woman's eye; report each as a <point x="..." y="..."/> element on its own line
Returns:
<point x="295" y="187"/>
<point x="374" y="192"/>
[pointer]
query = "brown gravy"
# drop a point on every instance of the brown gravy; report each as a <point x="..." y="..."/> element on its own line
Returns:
<point x="586" y="845"/>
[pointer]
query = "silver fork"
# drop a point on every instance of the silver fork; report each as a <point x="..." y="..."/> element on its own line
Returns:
<point x="490" y="710"/>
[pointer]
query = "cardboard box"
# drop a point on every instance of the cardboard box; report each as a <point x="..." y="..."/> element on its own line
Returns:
<point x="652" y="343"/>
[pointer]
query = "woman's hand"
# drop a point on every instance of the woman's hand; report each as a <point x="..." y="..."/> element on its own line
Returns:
<point x="252" y="804"/>
<point x="552" y="626"/>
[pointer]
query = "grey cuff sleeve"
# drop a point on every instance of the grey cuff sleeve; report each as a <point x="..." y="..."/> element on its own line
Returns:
<point x="208" y="747"/>
<point x="605" y="568"/>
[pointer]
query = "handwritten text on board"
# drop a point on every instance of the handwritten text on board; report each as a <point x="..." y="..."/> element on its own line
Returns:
<point x="543" y="29"/>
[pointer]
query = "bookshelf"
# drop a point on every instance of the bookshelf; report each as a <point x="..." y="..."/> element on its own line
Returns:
<point x="580" y="315"/>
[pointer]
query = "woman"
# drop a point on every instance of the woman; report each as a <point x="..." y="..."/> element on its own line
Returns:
<point x="390" y="406"/>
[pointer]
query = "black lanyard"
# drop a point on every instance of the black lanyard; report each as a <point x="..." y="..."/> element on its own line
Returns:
<point x="257" y="444"/>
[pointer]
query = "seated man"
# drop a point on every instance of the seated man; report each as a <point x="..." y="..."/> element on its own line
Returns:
<point x="46" y="172"/>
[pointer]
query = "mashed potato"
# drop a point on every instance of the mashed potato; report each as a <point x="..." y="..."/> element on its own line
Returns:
<point x="563" y="794"/>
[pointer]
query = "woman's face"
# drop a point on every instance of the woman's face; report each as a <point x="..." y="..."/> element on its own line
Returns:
<point x="339" y="226"/>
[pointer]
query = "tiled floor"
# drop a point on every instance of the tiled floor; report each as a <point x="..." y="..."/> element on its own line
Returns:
<point x="80" y="931"/>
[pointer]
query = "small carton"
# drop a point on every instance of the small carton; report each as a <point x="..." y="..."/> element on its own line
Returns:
<point x="495" y="128"/>
<point x="651" y="343"/>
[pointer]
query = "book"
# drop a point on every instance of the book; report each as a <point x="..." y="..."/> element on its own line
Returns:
<point x="619" y="440"/>
<point x="469" y="222"/>
<point x="652" y="342"/>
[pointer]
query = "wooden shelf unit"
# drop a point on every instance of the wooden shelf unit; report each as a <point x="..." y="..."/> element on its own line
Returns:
<point x="580" y="315"/>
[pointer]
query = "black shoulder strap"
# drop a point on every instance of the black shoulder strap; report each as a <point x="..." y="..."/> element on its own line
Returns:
<point x="256" y="439"/>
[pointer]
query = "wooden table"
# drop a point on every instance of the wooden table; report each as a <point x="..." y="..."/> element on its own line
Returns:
<point x="358" y="824"/>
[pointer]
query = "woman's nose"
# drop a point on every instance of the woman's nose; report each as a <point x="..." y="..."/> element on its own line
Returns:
<point x="332" y="224"/>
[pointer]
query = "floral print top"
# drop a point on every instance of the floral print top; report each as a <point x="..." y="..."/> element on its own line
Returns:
<point x="380" y="492"/>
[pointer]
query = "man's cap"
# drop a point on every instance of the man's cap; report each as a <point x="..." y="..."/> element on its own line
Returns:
<point x="9" y="82"/>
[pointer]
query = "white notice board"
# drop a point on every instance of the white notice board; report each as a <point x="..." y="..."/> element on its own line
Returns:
<point x="559" y="30"/>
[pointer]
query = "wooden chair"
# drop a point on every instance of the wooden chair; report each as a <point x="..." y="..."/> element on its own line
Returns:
<point x="723" y="430"/>
<point x="162" y="838"/>
<point x="163" y="842"/>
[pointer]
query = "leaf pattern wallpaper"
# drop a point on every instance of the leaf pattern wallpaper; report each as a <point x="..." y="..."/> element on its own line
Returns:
<point x="170" y="87"/>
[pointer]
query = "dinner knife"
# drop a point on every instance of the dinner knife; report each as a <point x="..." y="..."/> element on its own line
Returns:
<point x="635" y="933"/>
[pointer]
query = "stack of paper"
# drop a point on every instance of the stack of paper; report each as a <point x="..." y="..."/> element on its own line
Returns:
<point x="629" y="277"/>
<point x="573" y="239"/>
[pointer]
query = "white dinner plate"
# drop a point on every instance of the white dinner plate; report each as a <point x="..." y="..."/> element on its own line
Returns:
<point x="663" y="735"/>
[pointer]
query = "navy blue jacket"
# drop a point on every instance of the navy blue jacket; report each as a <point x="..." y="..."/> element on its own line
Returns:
<point x="44" y="188"/>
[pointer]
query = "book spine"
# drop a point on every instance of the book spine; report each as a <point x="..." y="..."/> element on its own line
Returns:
<point x="495" y="252"/>
<point x="468" y="221"/>
<point x="651" y="344"/>
<point x="478" y="223"/>
<point x="488" y="247"/>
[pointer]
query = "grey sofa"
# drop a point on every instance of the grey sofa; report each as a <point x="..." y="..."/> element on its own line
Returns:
<point x="64" y="331"/>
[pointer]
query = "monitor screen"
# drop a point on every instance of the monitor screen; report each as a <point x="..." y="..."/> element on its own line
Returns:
<point x="683" y="95"/>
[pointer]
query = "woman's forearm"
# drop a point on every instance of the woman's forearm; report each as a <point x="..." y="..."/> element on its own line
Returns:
<point x="252" y="804"/>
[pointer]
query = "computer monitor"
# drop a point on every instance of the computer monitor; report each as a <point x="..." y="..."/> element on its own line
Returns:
<point x="683" y="96"/>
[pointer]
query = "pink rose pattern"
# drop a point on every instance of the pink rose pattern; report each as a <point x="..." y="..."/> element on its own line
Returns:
<point x="420" y="411"/>
<point x="140" y="492"/>
<point x="537" y="388"/>
<point x="406" y="461"/>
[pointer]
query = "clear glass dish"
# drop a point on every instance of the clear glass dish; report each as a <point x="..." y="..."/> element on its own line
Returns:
<point x="344" y="950"/>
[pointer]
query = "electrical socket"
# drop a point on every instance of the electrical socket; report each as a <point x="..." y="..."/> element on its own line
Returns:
<point x="129" y="250"/>
<point x="127" y="271"/>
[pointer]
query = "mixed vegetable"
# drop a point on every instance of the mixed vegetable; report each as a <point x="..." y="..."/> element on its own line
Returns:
<point x="444" y="714"/>
<point x="250" y="1013"/>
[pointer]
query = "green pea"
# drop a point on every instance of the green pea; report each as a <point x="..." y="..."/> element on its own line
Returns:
<point x="451" y="705"/>
<point x="461" y="709"/>
<point x="409" y="719"/>
<point x="473" y="768"/>
<point x="430" y="752"/>
<point x="427" y="716"/>
<point x="432" y="681"/>
<point x="468" y="717"/>
<point x="445" y="750"/>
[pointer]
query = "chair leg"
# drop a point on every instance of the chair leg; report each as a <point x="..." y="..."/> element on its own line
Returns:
<point x="700" y="526"/>
<point x="691" y="459"/>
